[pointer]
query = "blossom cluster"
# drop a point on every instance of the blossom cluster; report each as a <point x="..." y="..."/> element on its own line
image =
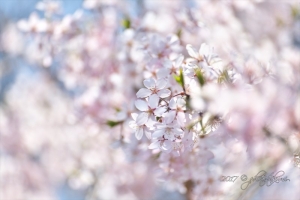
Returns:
<point x="139" y="97"/>
<point x="165" y="116"/>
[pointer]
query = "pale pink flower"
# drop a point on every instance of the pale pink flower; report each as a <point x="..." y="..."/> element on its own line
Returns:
<point x="168" y="131"/>
<point x="175" y="65"/>
<point x="154" y="87"/>
<point x="162" y="144"/>
<point x="177" y="106"/>
<point x="205" y="54"/>
<point x="139" y="129"/>
<point x="33" y="24"/>
<point x="150" y="108"/>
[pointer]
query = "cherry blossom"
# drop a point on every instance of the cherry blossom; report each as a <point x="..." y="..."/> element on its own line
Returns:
<point x="140" y="129"/>
<point x="154" y="87"/>
<point x="149" y="109"/>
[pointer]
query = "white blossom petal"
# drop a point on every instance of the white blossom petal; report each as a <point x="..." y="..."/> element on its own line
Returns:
<point x="173" y="40"/>
<point x="151" y="122"/>
<point x="164" y="93"/>
<point x="139" y="133"/>
<point x="204" y="50"/>
<point x="191" y="63"/>
<point x="163" y="73"/>
<point x="153" y="101"/>
<point x="142" y="119"/>
<point x="161" y="126"/>
<point x="148" y="134"/>
<point x="132" y="124"/>
<point x="154" y="145"/>
<point x="181" y="118"/>
<point x="142" y="93"/>
<point x="141" y="105"/>
<point x="173" y="104"/>
<point x="192" y="51"/>
<point x="177" y="131"/>
<point x="181" y="103"/>
<point x="159" y="111"/>
<point x="158" y="133"/>
<point x="167" y="64"/>
<point x="178" y="61"/>
<point x="169" y="117"/>
<point x="149" y="83"/>
<point x="167" y="145"/>
<point x="161" y="83"/>
<point x="134" y="116"/>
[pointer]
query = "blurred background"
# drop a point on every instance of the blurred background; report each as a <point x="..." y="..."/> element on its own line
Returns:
<point x="45" y="152"/>
<point x="10" y="13"/>
<point x="37" y="124"/>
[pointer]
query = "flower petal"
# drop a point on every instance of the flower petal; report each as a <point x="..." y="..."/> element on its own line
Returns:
<point x="149" y="83"/>
<point x="158" y="133"/>
<point x="142" y="119"/>
<point x="153" y="101"/>
<point x="181" y="103"/>
<point x="154" y="145"/>
<point x="169" y="117"/>
<point x="204" y="50"/>
<point x="191" y="63"/>
<point x="142" y="93"/>
<point x="167" y="145"/>
<point x="181" y="118"/>
<point x="164" y="93"/>
<point x="192" y="51"/>
<point x="173" y="40"/>
<point x="161" y="126"/>
<point x="139" y="133"/>
<point x="173" y="104"/>
<point x="147" y="133"/>
<point x="134" y="116"/>
<point x="178" y="131"/>
<point x="178" y="61"/>
<point x="163" y="73"/>
<point x="141" y="105"/>
<point x="161" y="83"/>
<point x="132" y="125"/>
<point x="167" y="64"/>
<point x="159" y="111"/>
<point x="151" y="122"/>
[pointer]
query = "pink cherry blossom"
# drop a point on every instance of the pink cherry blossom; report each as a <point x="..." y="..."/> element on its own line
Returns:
<point x="149" y="109"/>
<point x="139" y="129"/>
<point x="154" y="87"/>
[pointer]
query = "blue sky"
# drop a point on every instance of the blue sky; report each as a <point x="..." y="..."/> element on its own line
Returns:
<point x="16" y="9"/>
